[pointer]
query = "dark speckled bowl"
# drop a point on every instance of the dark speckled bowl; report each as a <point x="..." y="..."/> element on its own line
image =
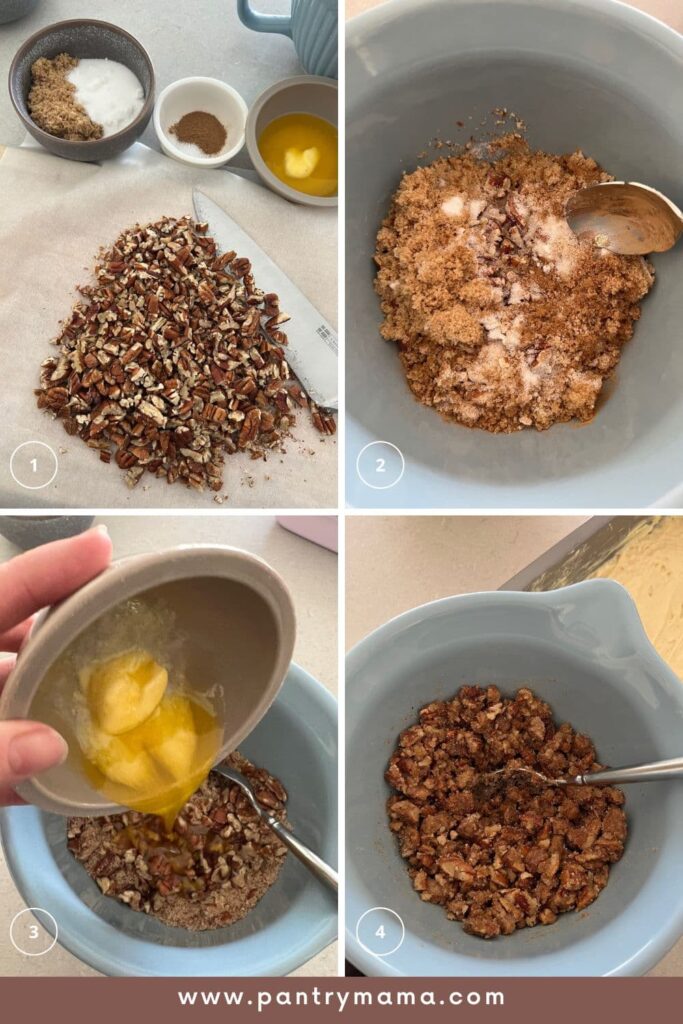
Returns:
<point x="12" y="10"/>
<point x="83" y="38"/>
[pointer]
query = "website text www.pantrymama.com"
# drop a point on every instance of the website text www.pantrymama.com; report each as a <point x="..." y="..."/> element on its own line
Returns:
<point x="337" y="999"/>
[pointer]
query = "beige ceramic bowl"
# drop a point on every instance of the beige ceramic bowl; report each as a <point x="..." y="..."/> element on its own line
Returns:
<point x="237" y="613"/>
<point x="306" y="94"/>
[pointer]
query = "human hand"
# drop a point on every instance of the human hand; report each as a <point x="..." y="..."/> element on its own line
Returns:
<point x="28" y="583"/>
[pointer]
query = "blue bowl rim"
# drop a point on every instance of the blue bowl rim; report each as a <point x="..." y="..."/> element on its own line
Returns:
<point x="376" y="18"/>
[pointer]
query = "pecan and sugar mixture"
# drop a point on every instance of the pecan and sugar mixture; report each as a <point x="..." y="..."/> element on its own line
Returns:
<point x="508" y="857"/>
<point x="174" y="359"/>
<point x="503" y="319"/>
<point x="208" y="872"/>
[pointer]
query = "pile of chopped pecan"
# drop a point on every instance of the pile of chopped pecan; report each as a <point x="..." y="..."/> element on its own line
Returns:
<point x="509" y="857"/>
<point x="173" y="359"/>
<point x="208" y="872"/>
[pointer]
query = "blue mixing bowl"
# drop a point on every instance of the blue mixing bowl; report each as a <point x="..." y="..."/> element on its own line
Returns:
<point x="297" y="742"/>
<point x="583" y="649"/>
<point x="591" y="74"/>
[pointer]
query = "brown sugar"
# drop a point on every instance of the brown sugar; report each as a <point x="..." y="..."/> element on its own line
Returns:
<point x="503" y="318"/>
<point x="52" y="101"/>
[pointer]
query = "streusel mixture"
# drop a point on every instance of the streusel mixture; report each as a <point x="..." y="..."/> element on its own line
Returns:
<point x="504" y="320"/>
<point x="208" y="872"/>
<point x="508" y="857"/>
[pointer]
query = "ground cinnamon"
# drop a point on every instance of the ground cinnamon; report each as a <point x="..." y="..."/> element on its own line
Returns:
<point x="201" y="129"/>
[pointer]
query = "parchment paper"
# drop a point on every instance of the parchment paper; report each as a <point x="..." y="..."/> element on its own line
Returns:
<point x="55" y="215"/>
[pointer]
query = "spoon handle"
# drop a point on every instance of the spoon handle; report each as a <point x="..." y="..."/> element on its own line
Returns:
<point x="315" y="864"/>
<point x="656" y="771"/>
<point x="312" y="861"/>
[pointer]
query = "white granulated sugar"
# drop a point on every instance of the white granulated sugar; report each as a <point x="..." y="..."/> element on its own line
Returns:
<point x="476" y="208"/>
<point x="530" y="380"/>
<point x="518" y="293"/>
<point x="191" y="148"/>
<point x="453" y="207"/>
<point x="491" y="359"/>
<point x="109" y="92"/>
<point x="493" y="327"/>
<point x="505" y="329"/>
<point x="554" y="241"/>
<point x="519" y="207"/>
<point x="513" y="335"/>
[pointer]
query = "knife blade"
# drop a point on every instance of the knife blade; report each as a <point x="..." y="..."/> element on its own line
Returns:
<point x="312" y="343"/>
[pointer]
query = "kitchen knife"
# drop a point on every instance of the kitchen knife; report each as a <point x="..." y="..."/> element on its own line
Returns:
<point x="312" y="344"/>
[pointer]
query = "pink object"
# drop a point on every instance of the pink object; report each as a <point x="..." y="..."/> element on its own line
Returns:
<point x="320" y="529"/>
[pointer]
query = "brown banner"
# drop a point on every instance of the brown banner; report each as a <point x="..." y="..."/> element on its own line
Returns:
<point x="523" y="1000"/>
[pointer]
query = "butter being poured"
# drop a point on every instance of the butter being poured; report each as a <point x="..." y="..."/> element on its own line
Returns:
<point x="145" y="747"/>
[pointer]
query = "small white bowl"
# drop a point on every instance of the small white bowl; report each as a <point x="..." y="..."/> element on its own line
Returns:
<point x="210" y="96"/>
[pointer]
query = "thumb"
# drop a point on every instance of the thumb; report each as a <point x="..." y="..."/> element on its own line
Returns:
<point x="26" y="749"/>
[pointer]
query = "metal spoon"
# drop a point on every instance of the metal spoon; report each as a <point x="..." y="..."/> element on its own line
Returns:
<point x="322" y="871"/>
<point x="625" y="218"/>
<point x="655" y="771"/>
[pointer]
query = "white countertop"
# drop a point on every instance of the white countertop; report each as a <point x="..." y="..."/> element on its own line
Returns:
<point x="309" y="571"/>
<point x="212" y="42"/>
<point x="394" y="563"/>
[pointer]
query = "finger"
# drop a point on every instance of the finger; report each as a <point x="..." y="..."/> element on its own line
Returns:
<point x="6" y="666"/>
<point x="13" y="638"/>
<point x="49" y="573"/>
<point x="8" y="798"/>
<point x="27" y="749"/>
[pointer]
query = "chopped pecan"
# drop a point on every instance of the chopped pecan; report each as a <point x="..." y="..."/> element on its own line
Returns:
<point x="173" y="336"/>
<point x="509" y="857"/>
<point x="209" y="870"/>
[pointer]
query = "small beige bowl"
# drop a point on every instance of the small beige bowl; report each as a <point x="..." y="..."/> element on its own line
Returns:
<point x="238" y="613"/>
<point x="306" y="94"/>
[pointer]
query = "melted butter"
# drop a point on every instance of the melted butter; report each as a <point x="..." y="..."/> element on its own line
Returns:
<point x="144" y="746"/>
<point x="161" y="792"/>
<point x="123" y="691"/>
<point x="301" y="150"/>
<point x="131" y="697"/>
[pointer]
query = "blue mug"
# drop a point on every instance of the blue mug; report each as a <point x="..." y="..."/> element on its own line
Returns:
<point x="311" y="25"/>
